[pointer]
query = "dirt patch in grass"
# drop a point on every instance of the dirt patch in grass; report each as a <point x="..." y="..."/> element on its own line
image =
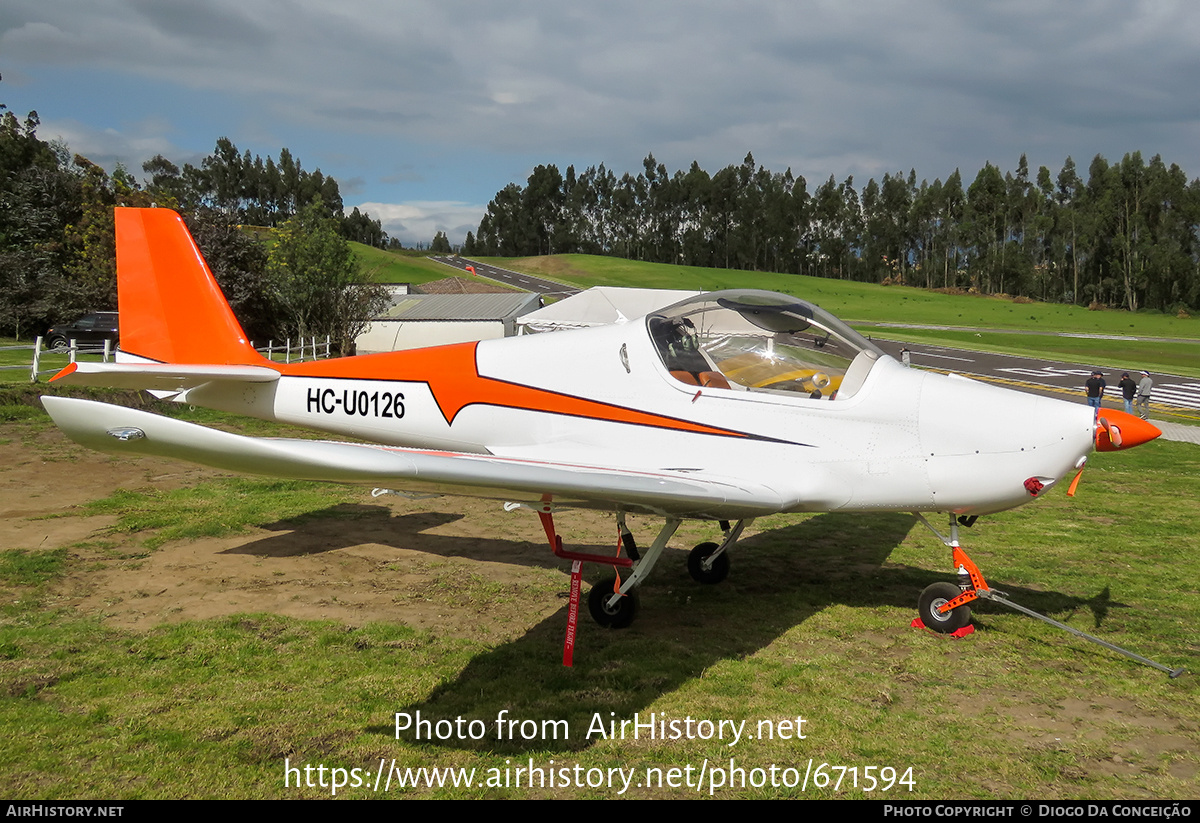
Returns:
<point x="460" y="566"/>
<point x="427" y="569"/>
<point x="45" y="478"/>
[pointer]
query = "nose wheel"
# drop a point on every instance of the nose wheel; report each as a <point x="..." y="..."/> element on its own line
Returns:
<point x="933" y="599"/>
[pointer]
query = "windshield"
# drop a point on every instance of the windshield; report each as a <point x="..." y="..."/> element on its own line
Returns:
<point x="748" y="340"/>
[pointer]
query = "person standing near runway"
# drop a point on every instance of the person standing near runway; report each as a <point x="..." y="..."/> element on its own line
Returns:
<point x="1095" y="389"/>
<point x="1128" y="391"/>
<point x="1143" y="396"/>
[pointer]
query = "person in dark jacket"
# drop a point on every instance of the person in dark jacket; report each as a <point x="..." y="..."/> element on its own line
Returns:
<point x="1128" y="391"/>
<point x="1095" y="386"/>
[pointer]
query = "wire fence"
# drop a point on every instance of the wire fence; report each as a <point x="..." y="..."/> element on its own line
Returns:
<point x="305" y="349"/>
<point x="45" y="360"/>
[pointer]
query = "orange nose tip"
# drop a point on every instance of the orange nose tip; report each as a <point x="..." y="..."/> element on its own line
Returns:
<point x="1134" y="431"/>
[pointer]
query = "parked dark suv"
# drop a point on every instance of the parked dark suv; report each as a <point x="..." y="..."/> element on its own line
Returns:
<point x="89" y="331"/>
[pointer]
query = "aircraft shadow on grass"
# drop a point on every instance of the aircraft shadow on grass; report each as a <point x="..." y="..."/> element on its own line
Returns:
<point x="786" y="575"/>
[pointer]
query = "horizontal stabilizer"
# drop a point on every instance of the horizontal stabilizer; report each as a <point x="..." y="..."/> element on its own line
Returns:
<point x="169" y="377"/>
<point x="121" y="430"/>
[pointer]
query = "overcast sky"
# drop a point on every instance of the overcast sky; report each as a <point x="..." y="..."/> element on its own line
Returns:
<point x="424" y="110"/>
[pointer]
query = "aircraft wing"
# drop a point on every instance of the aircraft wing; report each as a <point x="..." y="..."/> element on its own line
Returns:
<point x="170" y="377"/>
<point x="122" y="430"/>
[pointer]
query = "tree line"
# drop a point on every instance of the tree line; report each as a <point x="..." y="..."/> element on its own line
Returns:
<point x="1124" y="237"/>
<point x="57" y="242"/>
<point x="258" y="192"/>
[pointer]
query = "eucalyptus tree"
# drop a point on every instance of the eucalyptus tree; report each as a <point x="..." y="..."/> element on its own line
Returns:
<point x="1098" y="204"/>
<point x="695" y="216"/>
<point x="986" y="227"/>
<point x="1068" y="192"/>
<point x="542" y="204"/>
<point x="39" y="200"/>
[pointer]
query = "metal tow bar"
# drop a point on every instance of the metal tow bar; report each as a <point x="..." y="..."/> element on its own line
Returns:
<point x="992" y="594"/>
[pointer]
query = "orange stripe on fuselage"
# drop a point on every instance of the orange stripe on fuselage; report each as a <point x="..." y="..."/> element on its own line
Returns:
<point x="455" y="382"/>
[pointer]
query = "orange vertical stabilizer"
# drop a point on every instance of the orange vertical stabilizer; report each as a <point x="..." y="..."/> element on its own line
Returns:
<point x="171" y="308"/>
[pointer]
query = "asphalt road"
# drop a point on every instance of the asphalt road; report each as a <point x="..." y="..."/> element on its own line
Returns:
<point x="509" y="278"/>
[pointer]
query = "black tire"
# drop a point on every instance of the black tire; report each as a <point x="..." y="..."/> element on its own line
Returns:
<point x="720" y="566"/>
<point x="934" y="596"/>
<point x="620" y="615"/>
<point x="58" y="344"/>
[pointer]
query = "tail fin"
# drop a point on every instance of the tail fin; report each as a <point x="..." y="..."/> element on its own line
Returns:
<point x="171" y="308"/>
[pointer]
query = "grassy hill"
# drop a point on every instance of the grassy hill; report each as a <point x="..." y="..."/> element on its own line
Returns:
<point x="392" y="267"/>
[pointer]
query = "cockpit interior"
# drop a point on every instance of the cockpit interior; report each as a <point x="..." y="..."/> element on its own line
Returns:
<point x="758" y="341"/>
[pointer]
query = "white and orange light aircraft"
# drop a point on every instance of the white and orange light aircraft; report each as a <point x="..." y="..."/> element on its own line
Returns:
<point x="724" y="407"/>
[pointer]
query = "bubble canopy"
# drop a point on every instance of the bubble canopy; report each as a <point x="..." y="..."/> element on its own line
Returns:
<point x="760" y="341"/>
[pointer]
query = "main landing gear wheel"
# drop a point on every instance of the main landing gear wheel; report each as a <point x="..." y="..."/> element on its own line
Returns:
<point x="615" y="617"/>
<point x="716" y="573"/>
<point x="934" y="597"/>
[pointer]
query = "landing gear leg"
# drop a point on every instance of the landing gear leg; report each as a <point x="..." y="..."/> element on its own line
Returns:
<point x="943" y="606"/>
<point x="641" y="569"/>
<point x="938" y="607"/>
<point x="708" y="563"/>
<point x="612" y="602"/>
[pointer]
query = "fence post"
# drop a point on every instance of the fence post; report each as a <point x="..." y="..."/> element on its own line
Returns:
<point x="326" y="347"/>
<point x="37" y="354"/>
<point x="71" y="344"/>
<point x="287" y="357"/>
<point x="107" y="348"/>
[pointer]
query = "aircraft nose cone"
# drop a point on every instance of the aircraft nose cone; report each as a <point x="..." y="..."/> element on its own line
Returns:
<point x="1117" y="431"/>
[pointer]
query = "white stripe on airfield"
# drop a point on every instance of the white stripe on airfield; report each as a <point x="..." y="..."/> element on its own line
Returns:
<point x="944" y="356"/>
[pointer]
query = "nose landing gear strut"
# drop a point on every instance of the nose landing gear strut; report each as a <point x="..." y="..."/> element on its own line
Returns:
<point x="944" y="608"/>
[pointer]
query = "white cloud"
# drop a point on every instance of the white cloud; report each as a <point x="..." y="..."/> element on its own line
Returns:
<point x="108" y="146"/>
<point x="418" y="221"/>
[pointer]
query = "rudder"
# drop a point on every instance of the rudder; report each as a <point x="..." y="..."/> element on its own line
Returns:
<point x="171" y="308"/>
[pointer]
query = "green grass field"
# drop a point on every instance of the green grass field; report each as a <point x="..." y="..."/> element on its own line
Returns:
<point x="812" y="623"/>
<point x="391" y="267"/>
<point x="860" y="304"/>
